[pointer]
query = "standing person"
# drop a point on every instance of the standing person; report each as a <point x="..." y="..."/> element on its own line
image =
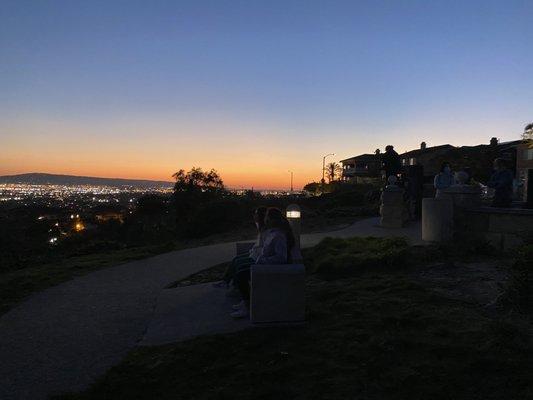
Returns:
<point x="249" y="257"/>
<point x="391" y="162"/>
<point x="444" y="179"/>
<point x="277" y="247"/>
<point x="502" y="183"/>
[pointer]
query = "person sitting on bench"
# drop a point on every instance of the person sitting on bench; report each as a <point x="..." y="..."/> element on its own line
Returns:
<point x="248" y="257"/>
<point x="277" y="247"/>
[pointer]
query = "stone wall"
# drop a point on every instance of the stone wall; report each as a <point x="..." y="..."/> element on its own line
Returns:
<point x="503" y="228"/>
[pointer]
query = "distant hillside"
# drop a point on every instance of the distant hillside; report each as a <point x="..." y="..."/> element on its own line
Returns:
<point x="53" y="179"/>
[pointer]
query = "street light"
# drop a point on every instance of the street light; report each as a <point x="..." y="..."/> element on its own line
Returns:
<point x="293" y="214"/>
<point x="291" y="181"/>
<point x="324" y="166"/>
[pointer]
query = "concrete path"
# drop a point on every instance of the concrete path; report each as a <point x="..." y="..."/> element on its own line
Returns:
<point x="186" y="312"/>
<point x="61" y="339"/>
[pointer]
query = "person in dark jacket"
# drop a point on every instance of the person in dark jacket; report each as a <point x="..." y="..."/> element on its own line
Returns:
<point x="502" y="183"/>
<point x="391" y="161"/>
<point x="444" y="179"/>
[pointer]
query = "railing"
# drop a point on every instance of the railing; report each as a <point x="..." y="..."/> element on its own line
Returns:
<point x="354" y="171"/>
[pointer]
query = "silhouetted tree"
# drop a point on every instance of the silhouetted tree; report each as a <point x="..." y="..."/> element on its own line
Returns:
<point x="334" y="171"/>
<point x="151" y="204"/>
<point x="193" y="189"/>
<point x="197" y="181"/>
<point x="312" y="188"/>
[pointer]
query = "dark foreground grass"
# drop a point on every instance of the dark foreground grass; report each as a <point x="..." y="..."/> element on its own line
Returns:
<point x="377" y="334"/>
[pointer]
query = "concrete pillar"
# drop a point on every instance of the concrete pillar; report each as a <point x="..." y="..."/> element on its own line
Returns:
<point x="393" y="210"/>
<point x="277" y="293"/>
<point x="463" y="196"/>
<point x="437" y="220"/>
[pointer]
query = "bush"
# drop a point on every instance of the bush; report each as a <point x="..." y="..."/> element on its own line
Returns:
<point x="217" y="216"/>
<point x="334" y="257"/>
<point x="518" y="292"/>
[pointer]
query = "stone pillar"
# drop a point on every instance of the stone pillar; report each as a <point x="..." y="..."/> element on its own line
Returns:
<point x="437" y="220"/>
<point x="463" y="197"/>
<point x="393" y="211"/>
<point x="462" y="194"/>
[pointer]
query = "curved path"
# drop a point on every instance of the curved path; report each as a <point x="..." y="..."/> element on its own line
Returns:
<point x="64" y="337"/>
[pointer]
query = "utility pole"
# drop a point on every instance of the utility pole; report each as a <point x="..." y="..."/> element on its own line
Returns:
<point x="292" y="189"/>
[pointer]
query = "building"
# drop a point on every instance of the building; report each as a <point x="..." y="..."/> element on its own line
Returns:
<point x="362" y="168"/>
<point x="524" y="172"/>
<point x="430" y="158"/>
<point x="476" y="160"/>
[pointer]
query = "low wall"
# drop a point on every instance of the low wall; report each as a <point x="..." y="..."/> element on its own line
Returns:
<point x="503" y="228"/>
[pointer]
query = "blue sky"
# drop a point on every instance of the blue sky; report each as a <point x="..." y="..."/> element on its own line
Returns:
<point x="170" y="84"/>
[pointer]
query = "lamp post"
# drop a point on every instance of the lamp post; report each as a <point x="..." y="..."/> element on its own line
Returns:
<point x="291" y="181"/>
<point x="293" y="215"/>
<point x="324" y="166"/>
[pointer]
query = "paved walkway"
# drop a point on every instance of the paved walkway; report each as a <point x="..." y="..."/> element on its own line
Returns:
<point x="61" y="339"/>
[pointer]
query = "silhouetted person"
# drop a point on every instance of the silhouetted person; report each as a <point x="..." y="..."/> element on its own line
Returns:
<point x="444" y="179"/>
<point x="391" y="161"/>
<point x="502" y="183"/>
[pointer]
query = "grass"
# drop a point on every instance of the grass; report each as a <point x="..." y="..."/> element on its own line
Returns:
<point x="334" y="257"/>
<point x="373" y="332"/>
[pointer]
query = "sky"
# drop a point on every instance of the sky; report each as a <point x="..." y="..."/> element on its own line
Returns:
<point x="254" y="89"/>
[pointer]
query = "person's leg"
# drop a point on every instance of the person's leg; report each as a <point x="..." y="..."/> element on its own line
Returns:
<point x="231" y="269"/>
<point x="243" y="263"/>
<point x="242" y="281"/>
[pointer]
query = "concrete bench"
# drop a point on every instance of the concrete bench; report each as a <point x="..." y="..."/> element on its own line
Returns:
<point x="277" y="291"/>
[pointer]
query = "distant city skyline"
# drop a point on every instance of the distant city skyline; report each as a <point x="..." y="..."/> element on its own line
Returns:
<point x="142" y="89"/>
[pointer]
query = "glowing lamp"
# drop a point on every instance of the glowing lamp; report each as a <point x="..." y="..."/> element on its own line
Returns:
<point x="294" y="215"/>
<point x="293" y="211"/>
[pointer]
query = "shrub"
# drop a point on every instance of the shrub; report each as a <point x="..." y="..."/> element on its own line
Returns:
<point x="335" y="257"/>
<point x="217" y="216"/>
<point x="518" y="292"/>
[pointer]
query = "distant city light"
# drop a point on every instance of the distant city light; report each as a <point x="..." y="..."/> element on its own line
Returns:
<point x="53" y="240"/>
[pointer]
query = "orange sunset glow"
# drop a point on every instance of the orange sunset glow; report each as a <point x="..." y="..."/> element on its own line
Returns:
<point x="246" y="153"/>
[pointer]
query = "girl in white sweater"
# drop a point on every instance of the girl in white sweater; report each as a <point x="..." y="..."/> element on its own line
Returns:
<point x="277" y="247"/>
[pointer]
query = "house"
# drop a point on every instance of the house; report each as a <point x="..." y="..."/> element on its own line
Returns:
<point x="479" y="159"/>
<point x="430" y="158"/>
<point x="362" y="168"/>
<point x="476" y="160"/>
<point x="524" y="172"/>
